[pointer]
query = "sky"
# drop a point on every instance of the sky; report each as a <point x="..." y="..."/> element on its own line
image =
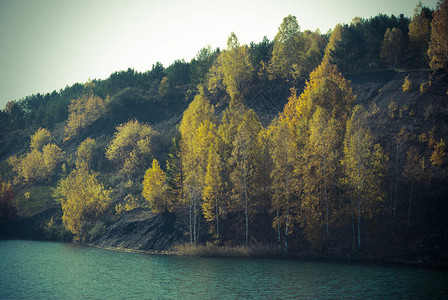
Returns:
<point x="46" y="45"/>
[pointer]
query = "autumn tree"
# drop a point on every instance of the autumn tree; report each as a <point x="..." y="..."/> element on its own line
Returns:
<point x="83" y="199"/>
<point x="40" y="162"/>
<point x="321" y="156"/>
<point x="40" y="138"/>
<point x="364" y="165"/>
<point x="420" y="34"/>
<point x="85" y="153"/>
<point x="7" y="206"/>
<point x="392" y="47"/>
<point x="198" y="131"/>
<point x="164" y="87"/>
<point x="175" y="173"/>
<point x="213" y="190"/>
<point x="335" y="38"/>
<point x="413" y="171"/>
<point x="288" y="59"/>
<point x="156" y="189"/>
<point x="83" y="112"/>
<point x="52" y="157"/>
<point x="438" y="155"/>
<point x="131" y="146"/>
<point x="243" y="161"/>
<point x="399" y="142"/>
<point x="286" y="185"/>
<point x="233" y="68"/>
<point x="318" y="138"/>
<point x="438" y="46"/>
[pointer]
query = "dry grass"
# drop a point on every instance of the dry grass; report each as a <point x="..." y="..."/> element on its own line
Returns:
<point x="211" y="250"/>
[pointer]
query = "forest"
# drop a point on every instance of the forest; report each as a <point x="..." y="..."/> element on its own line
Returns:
<point x="327" y="170"/>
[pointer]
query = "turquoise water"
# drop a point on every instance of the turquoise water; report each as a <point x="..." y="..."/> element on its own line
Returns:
<point x="44" y="270"/>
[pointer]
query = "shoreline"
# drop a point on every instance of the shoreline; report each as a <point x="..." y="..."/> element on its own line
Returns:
<point x="294" y="256"/>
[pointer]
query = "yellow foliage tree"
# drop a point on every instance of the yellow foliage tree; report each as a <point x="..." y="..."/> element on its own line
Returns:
<point x="244" y="164"/>
<point x="213" y="190"/>
<point x="52" y="156"/>
<point x="40" y="138"/>
<point x="198" y="133"/>
<point x="85" y="153"/>
<point x="83" y="198"/>
<point x="156" y="190"/>
<point x="420" y="34"/>
<point x="131" y="146"/>
<point x="335" y="37"/>
<point x="286" y="185"/>
<point x="364" y="165"/>
<point x="40" y="162"/>
<point x="83" y="112"/>
<point x="438" y="47"/>
<point x="233" y="68"/>
<point x="439" y="153"/>
<point x="288" y="57"/>
<point x="321" y="157"/>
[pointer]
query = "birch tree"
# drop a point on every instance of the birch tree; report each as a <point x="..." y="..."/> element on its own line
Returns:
<point x="243" y="161"/>
<point x="364" y="165"/>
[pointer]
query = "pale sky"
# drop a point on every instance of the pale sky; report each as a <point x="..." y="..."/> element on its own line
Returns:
<point x="48" y="44"/>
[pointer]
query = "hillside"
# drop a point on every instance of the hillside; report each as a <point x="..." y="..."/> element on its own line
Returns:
<point x="374" y="89"/>
<point x="333" y="144"/>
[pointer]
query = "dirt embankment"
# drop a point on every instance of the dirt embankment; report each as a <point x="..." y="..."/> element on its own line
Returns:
<point x="141" y="230"/>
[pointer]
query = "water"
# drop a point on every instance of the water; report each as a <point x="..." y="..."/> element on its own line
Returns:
<point x="44" y="270"/>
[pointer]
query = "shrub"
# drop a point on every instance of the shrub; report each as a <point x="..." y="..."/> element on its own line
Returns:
<point x="407" y="85"/>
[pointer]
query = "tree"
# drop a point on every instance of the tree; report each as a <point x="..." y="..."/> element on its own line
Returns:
<point x="85" y="153"/>
<point x="438" y="46"/>
<point x="335" y="38"/>
<point x="156" y="189"/>
<point x="52" y="156"/>
<point x="392" y="47"/>
<point x="164" y="87"/>
<point x="83" y="199"/>
<point x="40" y="162"/>
<point x="83" y="112"/>
<point x="285" y="182"/>
<point x="198" y="131"/>
<point x="233" y="68"/>
<point x="7" y="207"/>
<point x="40" y="138"/>
<point x="288" y="59"/>
<point x="321" y="161"/>
<point x="243" y="160"/>
<point x="131" y="146"/>
<point x="420" y="34"/>
<point x="364" y="166"/>
<point x="439" y="153"/>
<point x="413" y="171"/>
<point x="213" y="190"/>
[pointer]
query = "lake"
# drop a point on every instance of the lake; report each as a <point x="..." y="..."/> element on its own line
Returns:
<point x="46" y="270"/>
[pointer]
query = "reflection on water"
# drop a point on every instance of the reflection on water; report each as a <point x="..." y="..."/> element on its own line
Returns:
<point x="43" y="270"/>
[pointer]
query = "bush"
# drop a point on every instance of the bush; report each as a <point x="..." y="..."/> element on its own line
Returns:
<point x="407" y="85"/>
<point x="424" y="86"/>
<point x="211" y="250"/>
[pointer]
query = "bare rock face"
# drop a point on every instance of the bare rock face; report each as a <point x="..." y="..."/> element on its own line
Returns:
<point x="142" y="230"/>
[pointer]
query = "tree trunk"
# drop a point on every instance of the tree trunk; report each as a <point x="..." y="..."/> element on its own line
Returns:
<point x="326" y="203"/>
<point x="287" y="228"/>
<point x="278" y="229"/>
<point x="359" y="225"/>
<point x="190" y="213"/>
<point x="353" y="233"/>
<point x="217" y="216"/>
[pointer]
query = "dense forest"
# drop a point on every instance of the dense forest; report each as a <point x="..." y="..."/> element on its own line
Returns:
<point x="315" y="166"/>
